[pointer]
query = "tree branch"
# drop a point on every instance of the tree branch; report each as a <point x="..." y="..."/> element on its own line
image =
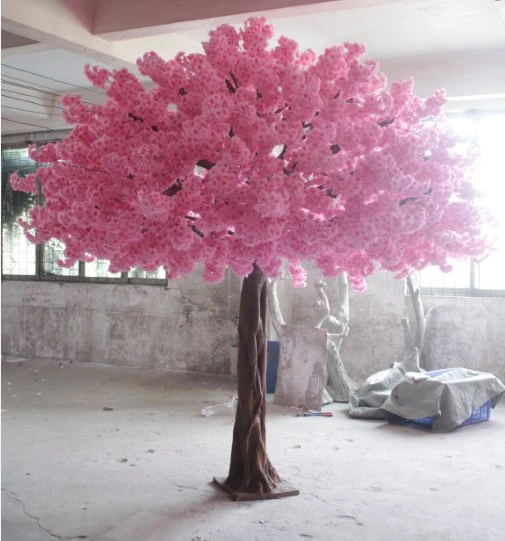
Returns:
<point x="174" y="188"/>
<point x="140" y="119"/>
<point x="196" y="230"/>
<point x="407" y="200"/>
<point x="384" y="123"/>
<point x="206" y="164"/>
<point x="234" y="79"/>
<point x="343" y="309"/>
<point x="415" y="339"/>
<point x="230" y="86"/>
<point x="323" y="302"/>
<point x="275" y="307"/>
<point x="91" y="170"/>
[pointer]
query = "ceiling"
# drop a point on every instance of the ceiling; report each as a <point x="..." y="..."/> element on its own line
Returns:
<point x="459" y="45"/>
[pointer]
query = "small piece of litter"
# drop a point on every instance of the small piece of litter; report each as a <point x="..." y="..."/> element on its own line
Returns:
<point x="315" y="414"/>
<point x="18" y="360"/>
<point x="123" y="460"/>
<point x="40" y="394"/>
<point x="150" y="450"/>
<point x="106" y="408"/>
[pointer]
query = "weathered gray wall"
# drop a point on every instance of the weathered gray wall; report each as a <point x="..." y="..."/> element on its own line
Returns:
<point x="190" y="326"/>
<point x="375" y="337"/>
<point x="463" y="331"/>
<point x="468" y="332"/>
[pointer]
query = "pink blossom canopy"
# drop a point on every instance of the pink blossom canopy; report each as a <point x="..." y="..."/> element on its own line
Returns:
<point x="251" y="153"/>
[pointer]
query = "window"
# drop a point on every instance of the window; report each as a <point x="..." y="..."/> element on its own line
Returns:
<point x="469" y="278"/>
<point x="18" y="254"/>
<point x="22" y="260"/>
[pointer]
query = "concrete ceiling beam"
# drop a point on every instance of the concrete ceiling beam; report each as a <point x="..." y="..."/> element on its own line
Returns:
<point x="123" y="19"/>
<point x="67" y="24"/>
<point x="13" y="45"/>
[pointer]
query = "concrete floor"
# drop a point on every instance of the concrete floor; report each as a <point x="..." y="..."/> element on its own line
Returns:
<point x="141" y="470"/>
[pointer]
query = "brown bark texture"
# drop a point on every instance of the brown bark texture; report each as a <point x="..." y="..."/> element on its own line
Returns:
<point x="250" y="469"/>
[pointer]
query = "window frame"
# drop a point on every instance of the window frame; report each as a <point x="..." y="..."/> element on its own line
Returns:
<point x="471" y="291"/>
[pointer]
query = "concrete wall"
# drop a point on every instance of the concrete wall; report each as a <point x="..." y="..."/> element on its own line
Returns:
<point x="467" y="332"/>
<point x="375" y="337"/>
<point x="190" y="326"/>
<point x="464" y="331"/>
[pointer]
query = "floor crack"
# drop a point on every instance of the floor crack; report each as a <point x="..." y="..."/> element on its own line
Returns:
<point x="15" y="497"/>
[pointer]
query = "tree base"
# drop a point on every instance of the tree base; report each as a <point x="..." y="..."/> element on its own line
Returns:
<point x="282" y="490"/>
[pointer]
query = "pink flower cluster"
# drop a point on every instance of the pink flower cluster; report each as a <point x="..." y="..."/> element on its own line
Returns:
<point x="257" y="153"/>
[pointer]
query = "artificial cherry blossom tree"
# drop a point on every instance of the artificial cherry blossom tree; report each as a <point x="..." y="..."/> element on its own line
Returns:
<point x="248" y="154"/>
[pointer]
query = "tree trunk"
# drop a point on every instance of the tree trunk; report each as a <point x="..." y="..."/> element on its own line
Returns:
<point x="250" y="468"/>
<point x="415" y="338"/>
<point x="339" y="382"/>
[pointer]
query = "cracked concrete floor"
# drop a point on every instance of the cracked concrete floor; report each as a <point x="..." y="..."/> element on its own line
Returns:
<point x="107" y="453"/>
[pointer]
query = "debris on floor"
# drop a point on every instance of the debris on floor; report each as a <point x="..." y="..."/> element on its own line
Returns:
<point x="444" y="399"/>
<point x="223" y="408"/>
<point x="366" y="400"/>
<point x="312" y="413"/>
